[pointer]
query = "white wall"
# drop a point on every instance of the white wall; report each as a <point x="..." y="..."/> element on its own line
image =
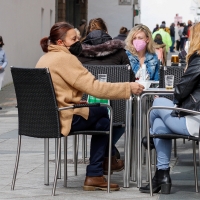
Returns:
<point x="113" y="14"/>
<point x="22" y="27"/>
<point x="155" y="11"/>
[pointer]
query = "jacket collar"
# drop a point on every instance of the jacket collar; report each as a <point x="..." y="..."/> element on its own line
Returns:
<point x="57" y="48"/>
<point x="96" y="37"/>
<point x="102" y="49"/>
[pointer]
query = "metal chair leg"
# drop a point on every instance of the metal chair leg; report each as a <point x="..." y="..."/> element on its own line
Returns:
<point x="16" y="162"/>
<point x="195" y="166"/>
<point x="75" y="152"/>
<point x="56" y="157"/>
<point x="83" y="148"/>
<point x="46" y="161"/>
<point x="86" y="146"/>
<point x="175" y="149"/>
<point x="155" y="160"/>
<point x="65" y="161"/>
<point x="57" y="167"/>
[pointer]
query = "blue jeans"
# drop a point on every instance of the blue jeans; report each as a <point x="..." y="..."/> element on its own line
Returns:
<point x="162" y="122"/>
<point x="98" y="120"/>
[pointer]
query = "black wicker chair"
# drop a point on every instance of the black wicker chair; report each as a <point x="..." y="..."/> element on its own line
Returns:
<point x="39" y="115"/>
<point x="173" y="136"/>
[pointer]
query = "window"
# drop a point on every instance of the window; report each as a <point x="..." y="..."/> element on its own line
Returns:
<point x="125" y="2"/>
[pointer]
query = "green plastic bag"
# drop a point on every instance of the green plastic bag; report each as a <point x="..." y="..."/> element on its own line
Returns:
<point x="92" y="99"/>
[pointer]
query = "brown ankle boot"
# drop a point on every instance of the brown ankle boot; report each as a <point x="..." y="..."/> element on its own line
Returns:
<point x="98" y="183"/>
<point x="117" y="165"/>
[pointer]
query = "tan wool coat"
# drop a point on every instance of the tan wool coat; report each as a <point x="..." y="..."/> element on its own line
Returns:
<point x="71" y="80"/>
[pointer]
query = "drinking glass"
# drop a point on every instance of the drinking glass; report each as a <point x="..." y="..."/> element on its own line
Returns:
<point x="169" y="82"/>
<point x="102" y="77"/>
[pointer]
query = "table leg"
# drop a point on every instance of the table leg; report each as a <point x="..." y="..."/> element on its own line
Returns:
<point x="127" y="143"/>
<point x="134" y="142"/>
<point x="139" y="124"/>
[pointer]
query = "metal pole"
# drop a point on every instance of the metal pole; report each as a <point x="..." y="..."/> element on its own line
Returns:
<point x="46" y="161"/>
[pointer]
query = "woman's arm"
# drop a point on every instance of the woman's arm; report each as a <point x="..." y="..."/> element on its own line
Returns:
<point x="157" y="67"/>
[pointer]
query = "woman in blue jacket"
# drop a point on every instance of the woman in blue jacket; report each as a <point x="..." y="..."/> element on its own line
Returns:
<point x="140" y="50"/>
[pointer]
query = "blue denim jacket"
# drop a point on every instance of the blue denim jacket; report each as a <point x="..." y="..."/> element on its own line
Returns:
<point x="151" y="61"/>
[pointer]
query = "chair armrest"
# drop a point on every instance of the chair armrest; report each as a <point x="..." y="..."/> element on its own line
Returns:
<point x="85" y="105"/>
<point x="174" y="108"/>
<point x="79" y="106"/>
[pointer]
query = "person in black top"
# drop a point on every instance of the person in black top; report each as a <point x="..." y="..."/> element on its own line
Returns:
<point x="172" y="34"/>
<point x="122" y="34"/>
<point x="156" y="28"/>
<point x="98" y="48"/>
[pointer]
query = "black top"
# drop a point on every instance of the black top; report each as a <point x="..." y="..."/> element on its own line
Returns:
<point x="100" y="49"/>
<point x="121" y="37"/>
<point x="187" y="91"/>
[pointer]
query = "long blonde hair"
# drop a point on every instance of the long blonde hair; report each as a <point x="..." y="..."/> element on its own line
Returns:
<point x="133" y="32"/>
<point x="194" y="46"/>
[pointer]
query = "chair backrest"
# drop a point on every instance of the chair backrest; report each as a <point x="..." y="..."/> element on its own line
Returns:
<point x="36" y="101"/>
<point x="115" y="73"/>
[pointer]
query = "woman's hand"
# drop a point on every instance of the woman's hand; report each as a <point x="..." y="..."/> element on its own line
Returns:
<point x="136" y="88"/>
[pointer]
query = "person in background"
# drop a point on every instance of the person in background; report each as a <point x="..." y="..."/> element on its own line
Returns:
<point x="177" y="37"/>
<point x="182" y="37"/>
<point x="172" y="34"/>
<point x="156" y="28"/>
<point x="160" y="49"/>
<point x="122" y="34"/>
<point x="140" y="50"/>
<point x="170" y="122"/>
<point x="70" y="81"/>
<point x="186" y="30"/>
<point x="166" y="28"/>
<point x="82" y="28"/>
<point x="78" y="33"/>
<point x="98" y="48"/>
<point x="3" y="62"/>
<point x="165" y="36"/>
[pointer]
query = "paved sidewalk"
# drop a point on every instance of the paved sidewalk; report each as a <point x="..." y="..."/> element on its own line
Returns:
<point x="30" y="177"/>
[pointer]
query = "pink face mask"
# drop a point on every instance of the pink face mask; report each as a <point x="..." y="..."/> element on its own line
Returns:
<point x="139" y="44"/>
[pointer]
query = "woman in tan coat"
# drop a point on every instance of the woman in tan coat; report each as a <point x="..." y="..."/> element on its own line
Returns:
<point x="71" y="80"/>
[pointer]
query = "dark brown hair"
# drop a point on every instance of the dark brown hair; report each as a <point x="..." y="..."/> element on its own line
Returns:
<point x="96" y="24"/>
<point x="123" y="30"/>
<point x="158" y="37"/>
<point x="58" y="31"/>
<point x="1" y="40"/>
